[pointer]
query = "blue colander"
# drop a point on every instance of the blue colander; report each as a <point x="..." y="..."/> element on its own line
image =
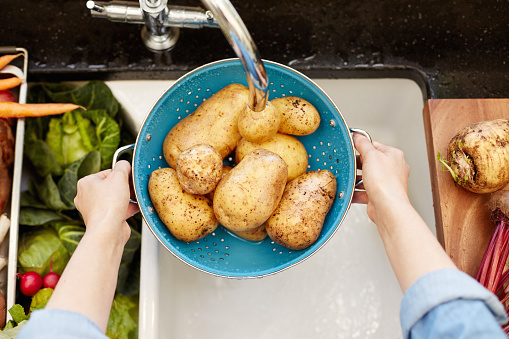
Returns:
<point x="330" y="147"/>
<point x="222" y="253"/>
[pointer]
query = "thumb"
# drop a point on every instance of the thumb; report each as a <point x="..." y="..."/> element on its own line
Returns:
<point x="362" y="143"/>
<point x="122" y="167"/>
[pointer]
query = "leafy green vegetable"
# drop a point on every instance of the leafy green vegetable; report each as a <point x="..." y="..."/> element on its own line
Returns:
<point x="61" y="150"/>
<point x="128" y="282"/>
<point x="121" y="323"/>
<point x="37" y="248"/>
<point x="52" y="143"/>
<point x="36" y="216"/>
<point x="67" y="185"/>
<point x="65" y="140"/>
<point x="41" y="298"/>
<point x="70" y="234"/>
<point x="12" y="331"/>
<point x="107" y="133"/>
<point x="18" y="313"/>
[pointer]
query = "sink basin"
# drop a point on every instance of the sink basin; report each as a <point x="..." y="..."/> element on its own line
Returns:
<point x="346" y="290"/>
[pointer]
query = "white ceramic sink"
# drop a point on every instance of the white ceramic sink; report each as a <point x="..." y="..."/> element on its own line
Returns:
<point x="346" y="290"/>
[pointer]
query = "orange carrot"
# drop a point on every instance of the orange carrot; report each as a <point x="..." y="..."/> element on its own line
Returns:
<point x="16" y="110"/>
<point x="10" y="82"/>
<point x="6" y="59"/>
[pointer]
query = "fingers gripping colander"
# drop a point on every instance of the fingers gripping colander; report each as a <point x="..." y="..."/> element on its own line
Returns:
<point x="221" y="253"/>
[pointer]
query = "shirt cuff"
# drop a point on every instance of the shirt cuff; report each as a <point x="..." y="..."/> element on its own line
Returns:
<point x="441" y="286"/>
<point x="57" y="323"/>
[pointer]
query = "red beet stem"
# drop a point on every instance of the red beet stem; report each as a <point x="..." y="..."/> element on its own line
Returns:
<point x="491" y="270"/>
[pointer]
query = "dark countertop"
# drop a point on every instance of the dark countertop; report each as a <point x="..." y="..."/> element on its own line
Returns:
<point x="453" y="49"/>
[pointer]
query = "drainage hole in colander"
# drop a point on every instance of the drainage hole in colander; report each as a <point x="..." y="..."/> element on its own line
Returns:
<point x="341" y="195"/>
<point x="151" y="209"/>
<point x="227" y="247"/>
<point x="332" y="123"/>
<point x="149" y="166"/>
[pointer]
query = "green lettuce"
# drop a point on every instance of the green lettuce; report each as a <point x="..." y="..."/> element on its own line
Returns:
<point x="121" y="324"/>
<point x="38" y="248"/>
<point x="53" y="143"/>
<point x="70" y="233"/>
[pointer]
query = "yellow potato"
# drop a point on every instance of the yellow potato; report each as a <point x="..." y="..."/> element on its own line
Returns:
<point x="287" y="147"/>
<point x="225" y="170"/>
<point x="215" y="123"/>
<point x="298" y="220"/>
<point x="256" y="234"/>
<point x="259" y="126"/>
<point x="248" y="194"/>
<point x="298" y="116"/>
<point x="188" y="217"/>
<point x="199" y="169"/>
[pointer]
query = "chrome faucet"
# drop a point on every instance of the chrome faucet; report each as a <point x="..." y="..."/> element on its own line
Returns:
<point x="162" y="22"/>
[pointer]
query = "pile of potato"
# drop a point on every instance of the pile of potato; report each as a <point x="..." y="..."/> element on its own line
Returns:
<point x="268" y="192"/>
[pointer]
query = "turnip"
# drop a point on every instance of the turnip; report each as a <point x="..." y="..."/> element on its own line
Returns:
<point x="30" y="284"/>
<point x="478" y="156"/>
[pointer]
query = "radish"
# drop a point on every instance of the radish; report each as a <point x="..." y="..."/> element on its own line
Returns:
<point x="31" y="283"/>
<point x="51" y="279"/>
<point x="492" y="273"/>
<point x="478" y="156"/>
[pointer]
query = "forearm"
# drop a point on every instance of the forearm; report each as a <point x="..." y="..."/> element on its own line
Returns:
<point x="411" y="247"/>
<point x="88" y="283"/>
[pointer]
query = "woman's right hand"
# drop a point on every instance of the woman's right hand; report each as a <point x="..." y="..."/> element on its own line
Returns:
<point x="385" y="177"/>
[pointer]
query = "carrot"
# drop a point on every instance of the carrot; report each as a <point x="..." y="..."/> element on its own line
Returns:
<point x="10" y="83"/>
<point x="16" y="110"/>
<point x="6" y="59"/>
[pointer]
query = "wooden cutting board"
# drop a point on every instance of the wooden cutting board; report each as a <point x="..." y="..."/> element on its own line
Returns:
<point x="463" y="223"/>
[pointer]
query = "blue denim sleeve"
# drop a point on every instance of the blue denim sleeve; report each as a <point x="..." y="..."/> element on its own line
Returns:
<point x="59" y="324"/>
<point x="449" y="303"/>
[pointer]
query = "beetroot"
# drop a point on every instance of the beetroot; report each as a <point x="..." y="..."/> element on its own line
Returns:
<point x="492" y="273"/>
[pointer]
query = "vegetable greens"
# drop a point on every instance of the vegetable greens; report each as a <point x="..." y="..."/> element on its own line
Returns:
<point x="61" y="150"/>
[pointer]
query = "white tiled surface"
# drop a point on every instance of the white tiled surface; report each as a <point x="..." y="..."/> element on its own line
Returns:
<point x="346" y="290"/>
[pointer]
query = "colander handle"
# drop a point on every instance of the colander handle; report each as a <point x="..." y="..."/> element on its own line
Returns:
<point x="242" y="43"/>
<point x="366" y="134"/>
<point x="116" y="155"/>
